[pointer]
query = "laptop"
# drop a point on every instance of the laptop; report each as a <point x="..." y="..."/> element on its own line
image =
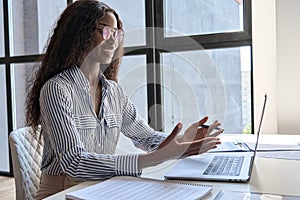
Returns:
<point x="218" y="166"/>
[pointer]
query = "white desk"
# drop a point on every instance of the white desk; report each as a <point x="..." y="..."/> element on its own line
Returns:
<point x="269" y="176"/>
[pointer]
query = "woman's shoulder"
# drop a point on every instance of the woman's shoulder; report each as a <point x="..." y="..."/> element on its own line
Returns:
<point x="69" y="76"/>
<point x="59" y="81"/>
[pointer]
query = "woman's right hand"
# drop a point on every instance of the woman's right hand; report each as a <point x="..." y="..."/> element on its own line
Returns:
<point x="170" y="149"/>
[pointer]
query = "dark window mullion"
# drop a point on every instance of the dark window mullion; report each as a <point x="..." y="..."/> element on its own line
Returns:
<point x="158" y="33"/>
<point x="248" y="30"/>
<point x="221" y="40"/>
<point x="153" y="70"/>
<point x="136" y="50"/>
<point x="149" y="59"/>
<point x="8" y="79"/>
<point x="25" y="59"/>
<point x="247" y="17"/>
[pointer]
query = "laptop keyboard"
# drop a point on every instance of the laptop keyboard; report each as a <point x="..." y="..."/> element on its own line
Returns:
<point x="225" y="165"/>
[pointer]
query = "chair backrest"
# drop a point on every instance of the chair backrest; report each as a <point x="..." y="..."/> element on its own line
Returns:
<point x="26" y="154"/>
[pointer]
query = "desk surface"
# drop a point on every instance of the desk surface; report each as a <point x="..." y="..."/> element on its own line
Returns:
<point x="269" y="176"/>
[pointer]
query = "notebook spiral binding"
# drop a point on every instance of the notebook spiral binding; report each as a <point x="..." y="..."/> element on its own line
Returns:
<point x="187" y="183"/>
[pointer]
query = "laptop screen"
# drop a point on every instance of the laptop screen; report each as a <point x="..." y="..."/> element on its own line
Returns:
<point x="260" y="123"/>
<point x="258" y="133"/>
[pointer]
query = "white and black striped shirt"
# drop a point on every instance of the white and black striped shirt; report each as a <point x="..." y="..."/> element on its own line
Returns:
<point x="80" y="144"/>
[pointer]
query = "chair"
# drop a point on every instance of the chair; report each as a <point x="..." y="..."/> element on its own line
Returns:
<point x="26" y="154"/>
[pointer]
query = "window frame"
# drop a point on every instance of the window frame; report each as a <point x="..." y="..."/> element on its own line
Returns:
<point x="174" y="44"/>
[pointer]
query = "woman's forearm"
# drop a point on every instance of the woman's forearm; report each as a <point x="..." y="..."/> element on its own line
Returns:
<point x="149" y="160"/>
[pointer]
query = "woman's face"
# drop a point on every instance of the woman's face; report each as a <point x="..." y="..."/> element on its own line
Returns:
<point x="106" y="44"/>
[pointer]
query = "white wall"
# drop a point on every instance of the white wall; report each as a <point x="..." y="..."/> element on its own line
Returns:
<point x="264" y="62"/>
<point x="276" y="63"/>
<point x="288" y="66"/>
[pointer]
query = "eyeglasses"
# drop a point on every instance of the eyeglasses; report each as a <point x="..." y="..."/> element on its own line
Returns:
<point x="107" y="32"/>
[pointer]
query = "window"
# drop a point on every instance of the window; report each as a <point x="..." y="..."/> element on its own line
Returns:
<point x="133" y="18"/>
<point x="4" y="164"/>
<point x="203" y="61"/>
<point x="1" y="31"/>
<point x="133" y="68"/>
<point x="214" y="83"/>
<point x="20" y="74"/>
<point x="31" y="24"/>
<point x="207" y="17"/>
<point x="24" y="29"/>
<point x="183" y="60"/>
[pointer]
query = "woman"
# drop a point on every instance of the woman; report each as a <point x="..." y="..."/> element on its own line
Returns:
<point x="82" y="110"/>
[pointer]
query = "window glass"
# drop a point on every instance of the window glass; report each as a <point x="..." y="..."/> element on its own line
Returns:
<point x="202" y="16"/>
<point x="32" y="22"/>
<point x="2" y="53"/>
<point x="133" y="79"/>
<point x="4" y="155"/>
<point x="214" y="83"/>
<point x="133" y="18"/>
<point x="21" y="74"/>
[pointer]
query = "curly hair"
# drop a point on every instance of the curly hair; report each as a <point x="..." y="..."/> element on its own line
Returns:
<point x="71" y="40"/>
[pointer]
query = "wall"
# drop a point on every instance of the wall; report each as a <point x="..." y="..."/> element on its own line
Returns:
<point x="288" y="66"/>
<point x="276" y="39"/>
<point x="265" y="62"/>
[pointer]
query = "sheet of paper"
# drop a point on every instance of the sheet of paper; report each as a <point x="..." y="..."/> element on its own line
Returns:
<point x="274" y="147"/>
<point x="271" y="142"/>
<point x="137" y="188"/>
<point x="289" y="155"/>
<point x="229" y="195"/>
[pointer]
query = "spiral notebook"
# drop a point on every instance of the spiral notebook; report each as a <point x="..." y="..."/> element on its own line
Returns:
<point x="126" y="187"/>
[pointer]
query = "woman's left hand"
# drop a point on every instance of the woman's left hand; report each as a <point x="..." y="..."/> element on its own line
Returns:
<point x="196" y="132"/>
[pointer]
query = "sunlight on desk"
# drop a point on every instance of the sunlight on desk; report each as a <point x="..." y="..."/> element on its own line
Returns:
<point x="276" y="176"/>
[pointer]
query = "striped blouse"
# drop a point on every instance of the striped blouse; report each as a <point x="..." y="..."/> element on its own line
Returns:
<point x="80" y="144"/>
